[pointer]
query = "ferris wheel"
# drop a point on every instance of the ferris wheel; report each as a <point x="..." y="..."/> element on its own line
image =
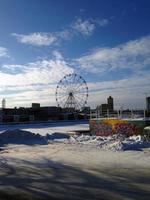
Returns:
<point x="72" y="92"/>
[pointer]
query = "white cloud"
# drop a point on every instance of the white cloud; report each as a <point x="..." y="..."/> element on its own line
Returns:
<point x="102" y="22"/>
<point x="36" y="39"/>
<point x="127" y="92"/>
<point x="3" y="52"/>
<point x="36" y="82"/>
<point x="46" y="96"/>
<point x="43" y="39"/>
<point x="66" y="34"/>
<point x="133" y="54"/>
<point x="57" y="55"/>
<point x="40" y="72"/>
<point x="85" y="27"/>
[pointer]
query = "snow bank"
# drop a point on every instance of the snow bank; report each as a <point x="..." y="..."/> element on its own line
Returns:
<point x="57" y="136"/>
<point x="18" y="136"/>
<point x="21" y="137"/>
<point x="114" y="143"/>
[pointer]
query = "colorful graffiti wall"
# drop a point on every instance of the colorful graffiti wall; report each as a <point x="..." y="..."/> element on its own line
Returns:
<point x="105" y="127"/>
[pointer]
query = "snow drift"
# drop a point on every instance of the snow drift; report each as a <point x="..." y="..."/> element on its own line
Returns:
<point x="113" y="143"/>
<point x="21" y="137"/>
<point x="18" y="136"/>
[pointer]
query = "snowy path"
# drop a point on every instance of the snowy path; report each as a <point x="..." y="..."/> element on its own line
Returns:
<point x="73" y="171"/>
<point x="69" y="170"/>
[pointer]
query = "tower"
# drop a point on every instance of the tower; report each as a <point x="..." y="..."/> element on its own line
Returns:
<point x="148" y="104"/>
<point x="3" y="103"/>
<point x="110" y="103"/>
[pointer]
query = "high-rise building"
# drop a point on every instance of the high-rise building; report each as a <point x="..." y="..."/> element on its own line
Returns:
<point x="102" y="109"/>
<point x="110" y="103"/>
<point x="3" y="103"/>
<point x="148" y="104"/>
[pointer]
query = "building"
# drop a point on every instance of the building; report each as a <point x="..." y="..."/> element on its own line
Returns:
<point x="35" y="105"/>
<point x="86" y="110"/>
<point x="148" y="104"/>
<point x="110" y="103"/>
<point x="30" y="114"/>
<point x="102" y="109"/>
<point x="3" y="103"/>
<point x="106" y="108"/>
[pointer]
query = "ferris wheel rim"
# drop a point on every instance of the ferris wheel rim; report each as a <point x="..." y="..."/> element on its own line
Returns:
<point x="68" y="90"/>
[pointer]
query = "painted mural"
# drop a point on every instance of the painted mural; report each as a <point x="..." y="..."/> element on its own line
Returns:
<point x="106" y="127"/>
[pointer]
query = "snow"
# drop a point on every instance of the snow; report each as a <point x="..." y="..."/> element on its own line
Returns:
<point x="51" y="127"/>
<point x="17" y="136"/>
<point x="41" y="161"/>
<point x="44" y="133"/>
<point x="114" y="143"/>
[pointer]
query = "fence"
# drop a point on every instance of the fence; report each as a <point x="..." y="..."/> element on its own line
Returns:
<point x="119" y="114"/>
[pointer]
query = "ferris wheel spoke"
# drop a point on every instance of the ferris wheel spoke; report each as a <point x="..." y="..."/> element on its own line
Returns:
<point x="78" y="104"/>
<point x="61" y="93"/>
<point x="80" y="90"/>
<point x="81" y="84"/>
<point x="64" y="87"/>
<point x="67" y="87"/>
<point x="66" y="83"/>
<point x="72" y="92"/>
<point x="77" y="81"/>
<point x="78" y="78"/>
<point x="61" y="90"/>
<point x="62" y="101"/>
<point x="80" y="100"/>
<point x="78" y="97"/>
<point x="73" y="78"/>
<point x="62" y="98"/>
<point x="71" y="86"/>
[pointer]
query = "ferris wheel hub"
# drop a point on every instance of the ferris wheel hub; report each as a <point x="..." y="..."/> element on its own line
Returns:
<point x="70" y="94"/>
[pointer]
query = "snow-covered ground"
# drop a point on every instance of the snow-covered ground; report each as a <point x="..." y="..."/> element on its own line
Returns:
<point x="56" y="166"/>
<point x="44" y="128"/>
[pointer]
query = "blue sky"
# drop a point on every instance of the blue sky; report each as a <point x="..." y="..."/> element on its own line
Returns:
<point x="105" y="41"/>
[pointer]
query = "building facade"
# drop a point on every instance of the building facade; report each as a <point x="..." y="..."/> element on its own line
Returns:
<point x="29" y="114"/>
<point x="110" y="103"/>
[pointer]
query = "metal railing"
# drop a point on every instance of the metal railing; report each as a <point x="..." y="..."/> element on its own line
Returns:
<point x="119" y="114"/>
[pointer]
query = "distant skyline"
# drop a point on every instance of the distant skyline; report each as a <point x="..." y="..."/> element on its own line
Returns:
<point x="107" y="42"/>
